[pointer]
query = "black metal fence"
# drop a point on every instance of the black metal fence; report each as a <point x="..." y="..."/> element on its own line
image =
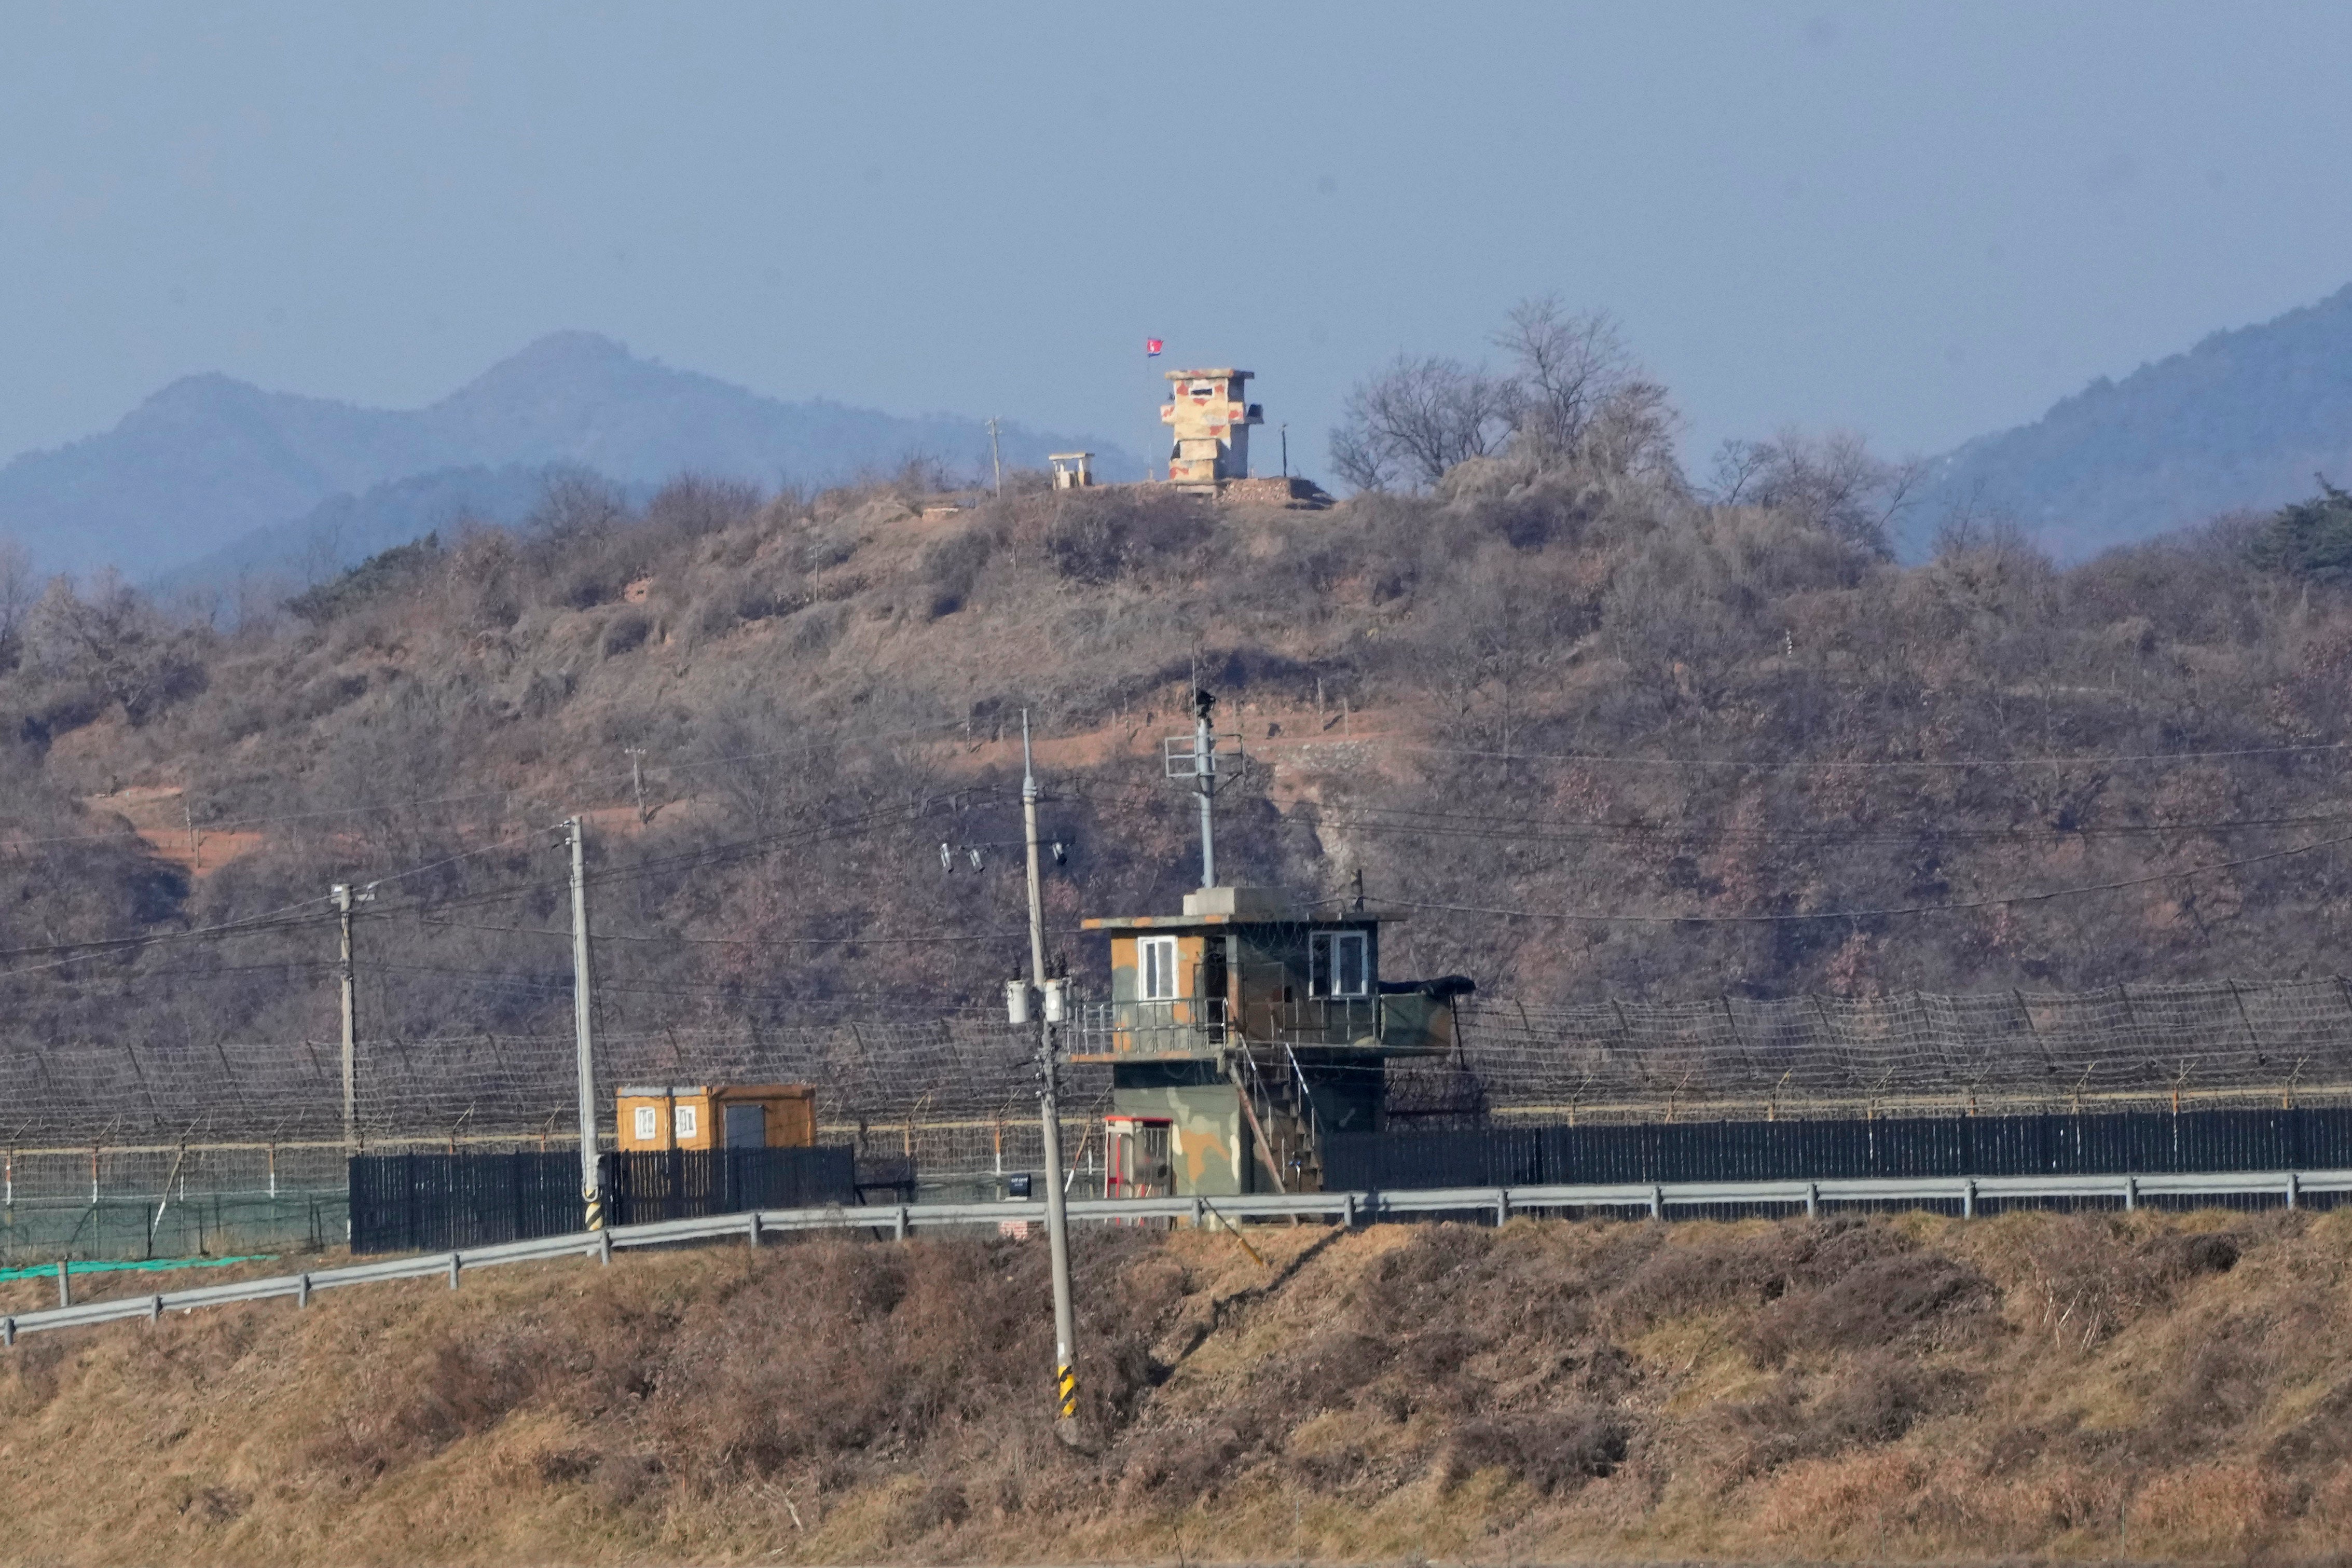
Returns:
<point x="2105" y="1142"/>
<point x="433" y="1203"/>
<point x="686" y="1184"/>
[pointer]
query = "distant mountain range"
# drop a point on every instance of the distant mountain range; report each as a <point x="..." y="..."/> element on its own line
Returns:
<point x="213" y="476"/>
<point x="2243" y="420"/>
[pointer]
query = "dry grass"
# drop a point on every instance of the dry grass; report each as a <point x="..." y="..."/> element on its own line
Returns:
<point x="2160" y="1389"/>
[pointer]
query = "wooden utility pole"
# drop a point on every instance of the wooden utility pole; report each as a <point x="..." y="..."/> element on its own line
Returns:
<point x="342" y="893"/>
<point x="1057" y="1219"/>
<point x="591" y="1183"/>
<point x="997" y="458"/>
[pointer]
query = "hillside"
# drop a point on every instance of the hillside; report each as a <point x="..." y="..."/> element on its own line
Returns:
<point x="1596" y="739"/>
<point x="208" y="460"/>
<point x="2091" y="1387"/>
<point x="2240" y="421"/>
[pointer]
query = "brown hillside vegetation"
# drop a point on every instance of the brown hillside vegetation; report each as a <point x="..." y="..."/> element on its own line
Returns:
<point x="1551" y="685"/>
<point x="1885" y="1389"/>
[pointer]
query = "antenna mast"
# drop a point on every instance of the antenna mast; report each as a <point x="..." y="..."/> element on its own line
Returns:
<point x="1194" y="758"/>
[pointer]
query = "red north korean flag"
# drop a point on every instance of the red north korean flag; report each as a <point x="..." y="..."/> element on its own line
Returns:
<point x="1151" y="347"/>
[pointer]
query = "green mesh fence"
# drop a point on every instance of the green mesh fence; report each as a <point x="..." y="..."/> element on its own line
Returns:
<point x="211" y="1224"/>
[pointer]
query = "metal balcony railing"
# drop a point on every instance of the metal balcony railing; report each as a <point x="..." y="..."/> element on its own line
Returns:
<point x="1175" y="1025"/>
<point x="1199" y="1026"/>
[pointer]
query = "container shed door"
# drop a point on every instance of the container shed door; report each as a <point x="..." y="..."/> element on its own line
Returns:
<point x="746" y="1126"/>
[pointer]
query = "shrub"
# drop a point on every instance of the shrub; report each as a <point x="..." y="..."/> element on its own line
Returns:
<point x="1553" y="1452"/>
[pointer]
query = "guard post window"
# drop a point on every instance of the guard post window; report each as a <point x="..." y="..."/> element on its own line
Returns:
<point x="1338" y="965"/>
<point x="1155" y="968"/>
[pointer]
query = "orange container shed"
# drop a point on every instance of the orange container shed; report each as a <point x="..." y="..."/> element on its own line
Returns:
<point x="716" y="1116"/>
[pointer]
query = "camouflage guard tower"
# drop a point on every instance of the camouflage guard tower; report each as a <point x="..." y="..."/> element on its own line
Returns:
<point x="1209" y="414"/>
<point x="1252" y="1028"/>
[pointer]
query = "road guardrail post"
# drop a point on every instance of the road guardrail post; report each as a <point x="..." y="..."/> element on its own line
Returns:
<point x="1657" y="1203"/>
<point x="1814" y="1199"/>
<point x="301" y="1290"/>
<point x="453" y="1270"/>
<point x="2131" y="1193"/>
<point x="752" y="1231"/>
<point x="1969" y="1199"/>
<point x="605" y="1248"/>
<point x="2294" y="1189"/>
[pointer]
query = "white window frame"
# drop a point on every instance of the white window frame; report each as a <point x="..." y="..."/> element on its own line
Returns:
<point x="1155" y="968"/>
<point x="648" y="1120"/>
<point x="686" y="1120"/>
<point x="1325" y="969"/>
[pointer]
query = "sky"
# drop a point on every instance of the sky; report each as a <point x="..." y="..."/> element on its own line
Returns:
<point x="1922" y="222"/>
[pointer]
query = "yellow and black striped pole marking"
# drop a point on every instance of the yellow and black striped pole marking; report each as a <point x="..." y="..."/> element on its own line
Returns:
<point x="595" y="1202"/>
<point x="1067" y="1378"/>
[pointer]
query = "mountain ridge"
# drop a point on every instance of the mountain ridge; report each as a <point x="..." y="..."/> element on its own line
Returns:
<point x="208" y="461"/>
<point x="2242" y="419"/>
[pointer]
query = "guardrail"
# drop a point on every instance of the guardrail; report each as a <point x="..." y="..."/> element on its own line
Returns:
<point x="1348" y="1208"/>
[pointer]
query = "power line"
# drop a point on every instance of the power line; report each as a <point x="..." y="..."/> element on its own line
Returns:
<point x="1463" y="825"/>
<point x="1857" y="915"/>
<point x="1800" y="763"/>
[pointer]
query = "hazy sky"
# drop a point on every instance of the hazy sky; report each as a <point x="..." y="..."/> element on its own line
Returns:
<point x="1920" y="221"/>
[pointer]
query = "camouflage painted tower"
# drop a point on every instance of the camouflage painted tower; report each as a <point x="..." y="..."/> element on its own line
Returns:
<point x="1208" y="417"/>
<point x="1242" y="1032"/>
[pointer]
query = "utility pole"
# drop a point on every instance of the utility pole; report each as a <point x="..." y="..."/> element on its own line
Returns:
<point x="636" y="755"/>
<point x="1057" y="1219"/>
<point x="1285" y="450"/>
<point x="1204" y="778"/>
<point x="590" y="1188"/>
<point x="997" y="458"/>
<point x="342" y="893"/>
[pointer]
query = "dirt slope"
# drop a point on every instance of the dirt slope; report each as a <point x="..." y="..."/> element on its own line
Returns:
<point x="1915" y="1389"/>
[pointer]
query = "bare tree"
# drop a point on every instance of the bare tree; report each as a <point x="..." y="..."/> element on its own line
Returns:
<point x="17" y="597"/>
<point x="115" y="640"/>
<point x="1832" y="482"/>
<point x="1569" y="365"/>
<point x="1573" y="395"/>
<point x="1418" y="418"/>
